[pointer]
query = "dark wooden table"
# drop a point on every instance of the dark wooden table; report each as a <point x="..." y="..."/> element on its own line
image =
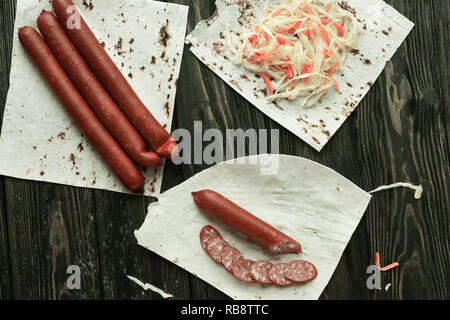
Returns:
<point x="398" y="133"/>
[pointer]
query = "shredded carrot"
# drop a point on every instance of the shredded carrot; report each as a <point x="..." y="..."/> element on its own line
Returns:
<point x="334" y="82"/>
<point x="389" y="267"/>
<point x="339" y="28"/>
<point x="308" y="33"/>
<point x="284" y="41"/>
<point x="267" y="81"/>
<point x="278" y="12"/>
<point x="297" y="38"/>
<point x="334" y="67"/>
<point x="307" y="68"/>
<point x="324" y="34"/>
<point x="295" y="27"/>
<point x="268" y="53"/>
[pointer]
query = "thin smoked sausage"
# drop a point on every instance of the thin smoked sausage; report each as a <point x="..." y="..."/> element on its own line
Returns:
<point x="77" y="107"/>
<point x="243" y="221"/>
<point x="113" y="80"/>
<point x="93" y="92"/>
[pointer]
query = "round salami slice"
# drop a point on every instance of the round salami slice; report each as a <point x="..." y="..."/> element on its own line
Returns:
<point x="260" y="271"/>
<point x="241" y="270"/>
<point x="214" y="248"/>
<point x="207" y="233"/>
<point x="230" y="256"/>
<point x="276" y="275"/>
<point x="300" y="271"/>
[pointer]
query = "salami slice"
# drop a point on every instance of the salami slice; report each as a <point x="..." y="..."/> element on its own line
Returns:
<point x="260" y="271"/>
<point x="207" y="233"/>
<point x="230" y="256"/>
<point x="216" y="248"/>
<point x="300" y="271"/>
<point x="276" y="275"/>
<point x="242" y="270"/>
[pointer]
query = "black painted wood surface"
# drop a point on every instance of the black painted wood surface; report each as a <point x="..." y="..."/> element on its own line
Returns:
<point x="398" y="133"/>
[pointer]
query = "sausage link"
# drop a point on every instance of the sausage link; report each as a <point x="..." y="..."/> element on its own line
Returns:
<point x="243" y="221"/>
<point x="113" y="80"/>
<point x="93" y="92"/>
<point x="77" y="107"/>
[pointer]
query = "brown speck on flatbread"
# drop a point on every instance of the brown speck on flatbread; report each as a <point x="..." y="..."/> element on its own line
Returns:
<point x="42" y="173"/>
<point x="367" y="62"/>
<point x="349" y="84"/>
<point x="277" y="105"/>
<point x="88" y="4"/>
<point x="164" y="35"/>
<point x="315" y="140"/>
<point x="344" y="5"/>
<point x="236" y="84"/>
<point x="103" y="44"/>
<point x="131" y="41"/>
<point x="153" y="60"/>
<point x="167" y="109"/>
<point x="119" y="47"/>
<point x="130" y="75"/>
<point x="80" y="147"/>
<point x="62" y="135"/>
<point x="142" y="68"/>
<point x="222" y="35"/>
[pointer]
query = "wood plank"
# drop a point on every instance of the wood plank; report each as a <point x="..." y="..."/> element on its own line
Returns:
<point x="50" y="228"/>
<point x="403" y="138"/>
<point x="7" y="14"/>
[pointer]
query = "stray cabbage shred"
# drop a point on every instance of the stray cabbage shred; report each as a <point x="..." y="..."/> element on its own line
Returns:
<point x="296" y="47"/>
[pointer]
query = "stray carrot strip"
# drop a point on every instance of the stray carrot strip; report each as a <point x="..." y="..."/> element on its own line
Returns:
<point x="267" y="81"/>
<point x="266" y="36"/>
<point x="333" y="68"/>
<point x="327" y="8"/>
<point x="335" y="82"/>
<point x="278" y="12"/>
<point x="268" y="53"/>
<point x="307" y="8"/>
<point x="389" y="267"/>
<point x="256" y="29"/>
<point x="339" y="28"/>
<point x="324" y="34"/>
<point x="324" y="20"/>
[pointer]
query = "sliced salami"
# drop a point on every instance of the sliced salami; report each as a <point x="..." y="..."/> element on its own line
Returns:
<point x="260" y="271"/>
<point x="207" y="233"/>
<point x="300" y="271"/>
<point x="241" y="270"/>
<point x="216" y="248"/>
<point x="230" y="256"/>
<point x="276" y="275"/>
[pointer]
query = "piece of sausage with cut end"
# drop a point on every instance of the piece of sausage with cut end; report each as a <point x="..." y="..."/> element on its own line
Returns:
<point x="300" y="271"/>
<point x="207" y="233"/>
<point x="219" y="207"/>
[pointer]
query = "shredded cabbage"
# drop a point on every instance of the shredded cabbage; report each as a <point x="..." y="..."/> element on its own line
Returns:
<point x="296" y="47"/>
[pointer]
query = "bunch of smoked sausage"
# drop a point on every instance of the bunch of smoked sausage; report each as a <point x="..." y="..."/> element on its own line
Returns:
<point x="96" y="94"/>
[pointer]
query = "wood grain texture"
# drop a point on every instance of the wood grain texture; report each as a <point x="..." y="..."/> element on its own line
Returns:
<point x="398" y="133"/>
